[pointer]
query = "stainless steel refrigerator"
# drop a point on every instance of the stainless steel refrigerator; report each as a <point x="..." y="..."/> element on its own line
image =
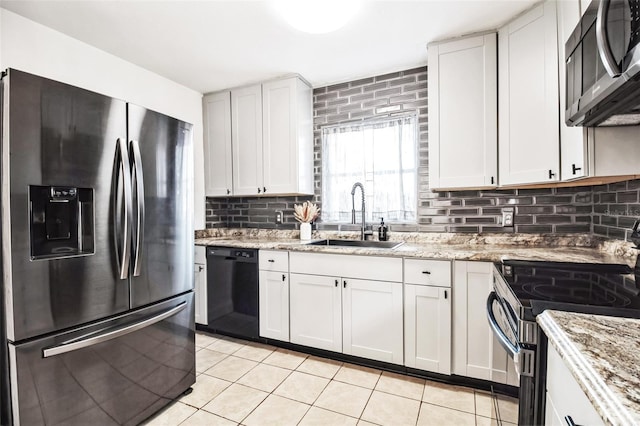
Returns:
<point x="97" y="256"/>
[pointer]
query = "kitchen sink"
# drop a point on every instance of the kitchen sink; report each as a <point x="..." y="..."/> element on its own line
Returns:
<point x="357" y="243"/>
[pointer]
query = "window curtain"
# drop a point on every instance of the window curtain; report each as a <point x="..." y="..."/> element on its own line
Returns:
<point x="381" y="155"/>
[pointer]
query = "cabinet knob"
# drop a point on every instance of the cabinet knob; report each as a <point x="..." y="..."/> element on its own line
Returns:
<point x="259" y="190"/>
<point x="426" y="272"/>
<point x="284" y="277"/>
<point x="551" y="174"/>
<point x="228" y="191"/>
<point x="200" y="268"/>
<point x="575" y="169"/>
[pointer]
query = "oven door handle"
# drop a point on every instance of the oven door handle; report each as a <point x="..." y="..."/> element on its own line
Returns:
<point x="513" y="350"/>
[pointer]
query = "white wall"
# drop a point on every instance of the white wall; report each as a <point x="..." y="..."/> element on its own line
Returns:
<point x="31" y="47"/>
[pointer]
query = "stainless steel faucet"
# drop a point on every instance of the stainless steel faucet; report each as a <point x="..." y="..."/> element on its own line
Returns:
<point x="363" y="231"/>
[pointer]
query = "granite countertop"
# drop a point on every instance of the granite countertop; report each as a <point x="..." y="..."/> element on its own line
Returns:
<point x="489" y="248"/>
<point x="603" y="355"/>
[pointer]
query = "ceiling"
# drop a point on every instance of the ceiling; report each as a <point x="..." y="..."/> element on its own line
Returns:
<point x="212" y="45"/>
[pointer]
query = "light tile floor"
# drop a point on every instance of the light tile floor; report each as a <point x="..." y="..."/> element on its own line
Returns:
<point x="248" y="383"/>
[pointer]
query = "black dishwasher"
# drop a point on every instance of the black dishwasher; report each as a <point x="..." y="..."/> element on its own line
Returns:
<point x="232" y="291"/>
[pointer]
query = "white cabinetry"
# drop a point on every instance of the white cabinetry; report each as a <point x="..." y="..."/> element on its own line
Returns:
<point x="427" y="315"/>
<point x="476" y="353"/>
<point x="350" y="304"/>
<point x="246" y="125"/>
<point x="274" y="294"/>
<point x="217" y="130"/>
<point x="200" y="284"/>
<point x="463" y="108"/>
<point x="565" y="400"/>
<point x="528" y="98"/>
<point x="287" y="137"/>
<point x="259" y="139"/>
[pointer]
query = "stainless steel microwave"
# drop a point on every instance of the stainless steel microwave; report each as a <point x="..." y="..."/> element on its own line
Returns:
<point x="603" y="66"/>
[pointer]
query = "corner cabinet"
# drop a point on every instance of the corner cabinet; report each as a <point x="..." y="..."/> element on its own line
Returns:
<point x="259" y="139"/>
<point x="217" y="149"/>
<point x="529" y="145"/>
<point x="477" y="353"/>
<point x="463" y="109"/>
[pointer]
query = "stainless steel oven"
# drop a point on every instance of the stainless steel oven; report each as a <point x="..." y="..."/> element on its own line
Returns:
<point x="524" y="289"/>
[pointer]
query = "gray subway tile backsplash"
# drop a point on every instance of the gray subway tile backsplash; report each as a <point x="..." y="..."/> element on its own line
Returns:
<point x="605" y="210"/>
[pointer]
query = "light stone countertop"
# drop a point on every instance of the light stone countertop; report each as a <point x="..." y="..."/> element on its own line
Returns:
<point x="490" y="248"/>
<point x="603" y="355"/>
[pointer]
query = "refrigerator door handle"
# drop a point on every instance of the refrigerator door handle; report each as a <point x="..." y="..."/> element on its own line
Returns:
<point x="138" y="178"/>
<point x="123" y="169"/>
<point x="92" y="339"/>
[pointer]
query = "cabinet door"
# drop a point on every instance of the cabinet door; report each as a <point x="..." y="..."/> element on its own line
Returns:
<point x="528" y="98"/>
<point x="427" y="328"/>
<point x="477" y="353"/>
<point x="316" y="311"/>
<point x="246" y="119"/>
<point x="274" y="305"/>
<point x="463" y="109"/>
<point x="573" y="140"/>
<point x="200" y="288"/>
<point x="372" y="320"/>
<point x="217" y="144"/>
<point x="287" y="137"/>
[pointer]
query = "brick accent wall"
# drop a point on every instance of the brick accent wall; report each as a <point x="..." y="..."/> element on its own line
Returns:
<point x="606" y="210"/>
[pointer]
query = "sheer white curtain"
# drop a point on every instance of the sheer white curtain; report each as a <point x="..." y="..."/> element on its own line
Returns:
<point x="381" y="155"/>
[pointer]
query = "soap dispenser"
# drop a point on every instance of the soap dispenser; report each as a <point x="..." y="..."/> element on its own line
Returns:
<point x="382" y="231"/>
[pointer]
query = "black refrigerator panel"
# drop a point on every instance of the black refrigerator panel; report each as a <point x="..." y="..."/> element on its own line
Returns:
<point x="160" y="150"/>
<point x="114" y="372"/>
<point x="58" y="138"/>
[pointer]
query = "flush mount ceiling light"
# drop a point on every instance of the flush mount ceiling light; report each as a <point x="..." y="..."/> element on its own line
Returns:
<point x="317" y="16"/>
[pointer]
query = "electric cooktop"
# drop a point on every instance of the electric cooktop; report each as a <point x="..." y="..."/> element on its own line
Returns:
<point x="606" y="289"/>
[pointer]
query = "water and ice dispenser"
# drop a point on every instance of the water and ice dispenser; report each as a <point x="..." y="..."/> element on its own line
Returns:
<point x="62" y="221"/>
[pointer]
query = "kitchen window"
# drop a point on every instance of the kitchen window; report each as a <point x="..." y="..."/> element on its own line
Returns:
<point x="382" y="155"/>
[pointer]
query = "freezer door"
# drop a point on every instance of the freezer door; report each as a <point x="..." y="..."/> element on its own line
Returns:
<point x="162" y="167"/>
<point x="56" y="135"/>
<point x="116" y="372"/>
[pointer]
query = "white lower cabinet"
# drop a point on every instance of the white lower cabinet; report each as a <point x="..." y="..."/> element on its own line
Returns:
<point x="372" y="320"/>
<point x="273" y="294"/>
<point x="477" y="352"/>
<point x="200" y="284"/>
<point x="566" y="402"/>
<point x="427" y="328"/>
<point x="316" y="311"/>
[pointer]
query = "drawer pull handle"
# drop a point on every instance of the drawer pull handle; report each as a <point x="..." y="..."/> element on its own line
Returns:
<point x="445" y="294"/>
<point x="336" y="283"/>
<point x="570" y="421"/>
<point x="344" y="284"/>
<point x="284" y="277"/>
<point x="426" y="272"/>
<point x="270" y="260"/>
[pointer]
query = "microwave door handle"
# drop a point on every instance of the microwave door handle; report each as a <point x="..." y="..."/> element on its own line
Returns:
<point x="604" y="49"/>
<point x="512" y="349"/>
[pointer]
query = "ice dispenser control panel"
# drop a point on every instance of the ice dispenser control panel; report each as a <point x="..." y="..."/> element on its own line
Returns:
<point x="61" y="221"/>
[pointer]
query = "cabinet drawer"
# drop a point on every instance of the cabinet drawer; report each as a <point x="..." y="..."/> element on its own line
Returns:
<point x="200" y="255"/>
<point x="348" y="266"/>
<point x="427" y="272"/>
<point x="273" y="260"/>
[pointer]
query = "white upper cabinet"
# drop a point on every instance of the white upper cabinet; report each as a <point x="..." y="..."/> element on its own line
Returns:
<point x="463" y="139"/>
<point x="573" y="140"/>
<point x="246" y="124"/>
<point x="287" y="137"/>
<point x="217" y="130"/>
<point x="528" y="98"/>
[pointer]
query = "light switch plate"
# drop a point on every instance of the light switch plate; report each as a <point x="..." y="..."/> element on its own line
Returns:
<point x="278" y="217"/>
<point x="507" y="217"/>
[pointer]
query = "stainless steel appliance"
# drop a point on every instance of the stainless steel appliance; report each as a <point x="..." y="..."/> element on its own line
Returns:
<point x="97" y="256"/>
<point x="232" y="291"/>
<point x="603" y="66"/>
<point x="524" y="289"/>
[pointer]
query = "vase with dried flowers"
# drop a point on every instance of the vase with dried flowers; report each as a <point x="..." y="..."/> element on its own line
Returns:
<point x="305" y="213"/>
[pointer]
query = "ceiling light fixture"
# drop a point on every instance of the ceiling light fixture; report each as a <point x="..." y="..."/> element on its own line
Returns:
<point x="317" y="16"/>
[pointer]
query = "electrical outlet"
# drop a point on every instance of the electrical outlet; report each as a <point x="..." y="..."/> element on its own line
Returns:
<point x="507" y="217"/>
<point x="278" y="217"/>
